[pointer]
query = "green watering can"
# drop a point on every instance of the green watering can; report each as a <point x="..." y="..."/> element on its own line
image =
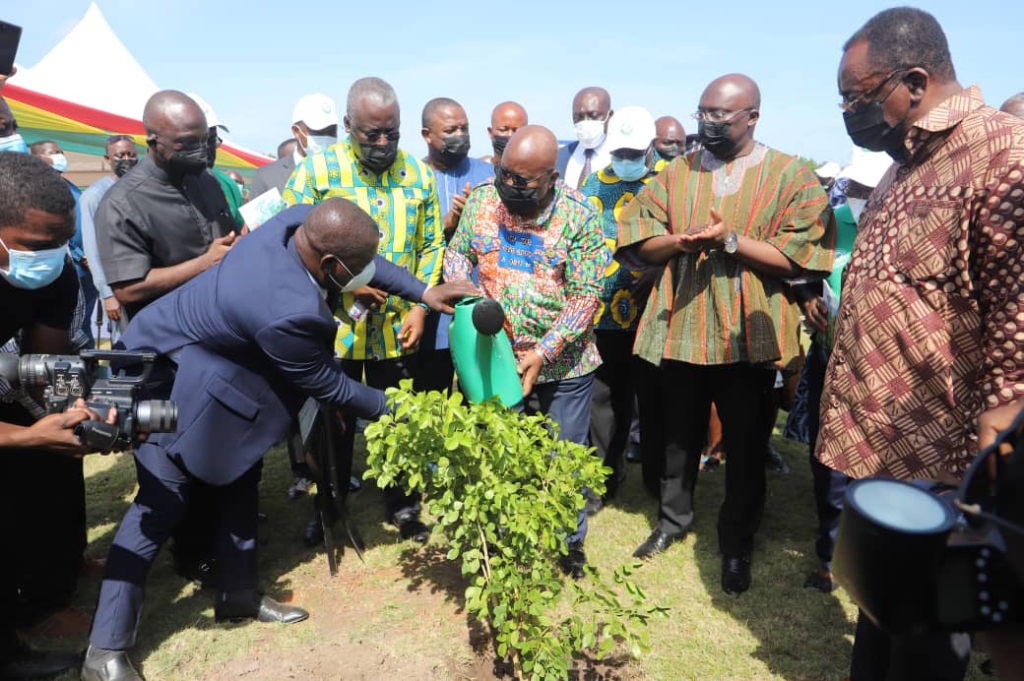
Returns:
<point x="484" y="362"/>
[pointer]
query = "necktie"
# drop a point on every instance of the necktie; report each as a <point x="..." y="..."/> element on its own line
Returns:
<point x="585" y="173"/>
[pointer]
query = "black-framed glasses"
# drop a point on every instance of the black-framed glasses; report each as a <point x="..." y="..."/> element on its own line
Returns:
<point x="850" y="105"/>
<point x="374" y="136"/>
<point x="516" y="180"/>
<point x="185" y="144"/>
<point x="717" y="116"/>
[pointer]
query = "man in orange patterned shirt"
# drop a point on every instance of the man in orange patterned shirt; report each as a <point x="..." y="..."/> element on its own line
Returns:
<point x="930" y="336"/>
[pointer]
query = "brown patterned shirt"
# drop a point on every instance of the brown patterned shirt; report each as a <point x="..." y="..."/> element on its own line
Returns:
<point x="931" y="325"/>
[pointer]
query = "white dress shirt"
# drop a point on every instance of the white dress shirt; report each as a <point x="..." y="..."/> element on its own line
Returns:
<point x="601" y="158"/>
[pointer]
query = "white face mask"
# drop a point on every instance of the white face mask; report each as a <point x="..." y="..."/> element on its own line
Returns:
<point x="59" y="161"/>
<point x="590" y="133"/>
<point x="856" y="207"/>
<point x="317" y="143"/>
<point x="358" y="281"/>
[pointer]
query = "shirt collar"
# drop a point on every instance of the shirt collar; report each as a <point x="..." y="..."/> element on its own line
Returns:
<point x="945" y="116"/>
<point x="297" y="157"/>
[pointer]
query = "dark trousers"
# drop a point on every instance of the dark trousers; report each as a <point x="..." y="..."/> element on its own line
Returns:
<point x="567" y="402"/>
<point x="611" y="410"/>
<point x="381" y="374"/>
<point x="164" y="490"/>
<point x="879" y="656"/>
<point x="742" y="394"/>
<point x="42" y="522"/>
<point x="829" y="484"/>
<point x="434" y="370"/>
<point x="651" y="415"/>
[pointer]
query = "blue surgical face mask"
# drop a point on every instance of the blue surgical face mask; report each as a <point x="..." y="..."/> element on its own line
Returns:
<point x="630" y="170"/>
<point x="13" y="143"/>
<point x="59" y="162"/>
<point x="33" y="269"/>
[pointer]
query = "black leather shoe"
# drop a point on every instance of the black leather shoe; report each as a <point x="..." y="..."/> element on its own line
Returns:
<point x="108" y="665"/>
<point x="822" y="580"/>
<point x="259" y="608"/>
<point x="735" y="574"/>
<point x="411" y="527"/>
<point x="656" y="543"/>
<point x="22" y="662"/>
<point x="574" y="562"/>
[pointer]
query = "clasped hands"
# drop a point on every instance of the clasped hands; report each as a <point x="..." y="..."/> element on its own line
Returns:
<point x="709" y="237"/>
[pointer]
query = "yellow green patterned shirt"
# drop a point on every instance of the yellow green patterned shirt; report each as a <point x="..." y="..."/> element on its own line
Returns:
<point x="403" y="203"/>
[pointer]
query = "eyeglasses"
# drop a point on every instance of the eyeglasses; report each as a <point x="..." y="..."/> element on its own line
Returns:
<point x="376" y="135"/>
<point x="517" y="180"/>
<point x="850" y="105"/>
<point x="717" y="116"/>
<point x="183" y="144"/>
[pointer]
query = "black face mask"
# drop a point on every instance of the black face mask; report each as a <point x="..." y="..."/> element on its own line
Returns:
<point x="499" y="142"/>
<point x="715" y="138"/>
<point x="123" y="165"/>
<point x="669" y="152"/>
<point x="378" y="157"/>
<point x="867" y="128"/>
<point x="188" y="161"/>
<point x="521" y="201"/>
<point x="456" y="148"/>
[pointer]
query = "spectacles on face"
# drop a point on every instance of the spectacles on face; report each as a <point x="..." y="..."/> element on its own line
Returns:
<point x="850" y="105"/>
<point x="517" y="180"/>
<point x="186" y="144"/>
<point x="718" y="116"/>
<point x="374" y="136"/>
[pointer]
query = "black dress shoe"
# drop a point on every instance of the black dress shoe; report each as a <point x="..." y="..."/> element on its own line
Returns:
<point x="574" y="562"/>
<point x="735" y="574"/>
<point x="656" y="543"/>
<point x="22" y="662"/>
<point x="233" y="608"/>
<point x="108" y="665"/>
<point x="411" y="527"/>
<point x="822" y="580"/>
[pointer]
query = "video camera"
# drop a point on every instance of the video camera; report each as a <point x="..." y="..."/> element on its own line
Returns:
<point x="66" y="378"/>
<point x="921" y="557"/>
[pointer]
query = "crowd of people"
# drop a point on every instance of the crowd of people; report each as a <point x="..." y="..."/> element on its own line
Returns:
<point x="655" y="286"/>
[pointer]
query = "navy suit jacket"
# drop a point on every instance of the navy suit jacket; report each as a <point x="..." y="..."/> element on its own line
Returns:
<point x="251" y="339"/>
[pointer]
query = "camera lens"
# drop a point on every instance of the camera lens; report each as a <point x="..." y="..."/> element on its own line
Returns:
<point x="33" y="370"/>
<point x="156" y="416"/>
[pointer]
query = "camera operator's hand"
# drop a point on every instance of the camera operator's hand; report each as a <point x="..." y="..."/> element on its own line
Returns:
<point x="440" y="297"/>
<point x="56" y="432"/>
<point x="218" y="249"/>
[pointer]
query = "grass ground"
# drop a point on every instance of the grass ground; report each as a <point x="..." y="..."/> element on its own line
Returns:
<point x="397" y="614"/>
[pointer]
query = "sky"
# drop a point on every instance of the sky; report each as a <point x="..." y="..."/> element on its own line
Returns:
<point x="253" y="59"/>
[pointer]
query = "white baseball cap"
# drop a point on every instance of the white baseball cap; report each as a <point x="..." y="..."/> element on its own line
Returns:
<point x="631" y="127"/>
<point x="828" y="170"/>
<point x="211" y="116"/>
<point x="317" y="111"/>
<point x="867" y="167"/>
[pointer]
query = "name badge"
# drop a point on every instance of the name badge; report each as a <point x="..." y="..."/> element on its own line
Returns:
<point x="518" y="250"/>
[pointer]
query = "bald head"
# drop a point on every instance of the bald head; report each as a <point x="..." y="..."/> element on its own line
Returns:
<point x="735" y="89"/>
<point x="1014" y="105"/>
<point x="592" y="98"/>
<point x="370" y="93"/>
<point x="341" y="228"/>
<point x="533" y="150"/>
<point x="174" y="109"/>
<point x="508" y="115"/>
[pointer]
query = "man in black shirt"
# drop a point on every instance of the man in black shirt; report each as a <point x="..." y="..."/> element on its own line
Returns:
<point x="38" y="292"/>
<point x="166" y="220"/>
<point x="162" y="224"/>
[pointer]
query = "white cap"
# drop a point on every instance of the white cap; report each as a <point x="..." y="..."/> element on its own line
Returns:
<point x="631" y="127"/>
<point x="316" y="111"/>
<point x="867" y="167"/>
<point x="828" y="171"/>
<point x="211" y="116"/>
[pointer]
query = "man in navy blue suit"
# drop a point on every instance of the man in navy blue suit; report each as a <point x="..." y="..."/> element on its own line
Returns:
<point x="247" y="342"/>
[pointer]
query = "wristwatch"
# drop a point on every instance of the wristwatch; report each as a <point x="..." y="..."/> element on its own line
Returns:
<point x="732" y="243"/>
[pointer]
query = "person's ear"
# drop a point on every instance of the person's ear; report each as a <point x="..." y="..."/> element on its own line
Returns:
<point x="348" y="125"/>
<point x="754" y="115"/>
<point x="916" y="81"/>
<point x="426" y="135"/>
